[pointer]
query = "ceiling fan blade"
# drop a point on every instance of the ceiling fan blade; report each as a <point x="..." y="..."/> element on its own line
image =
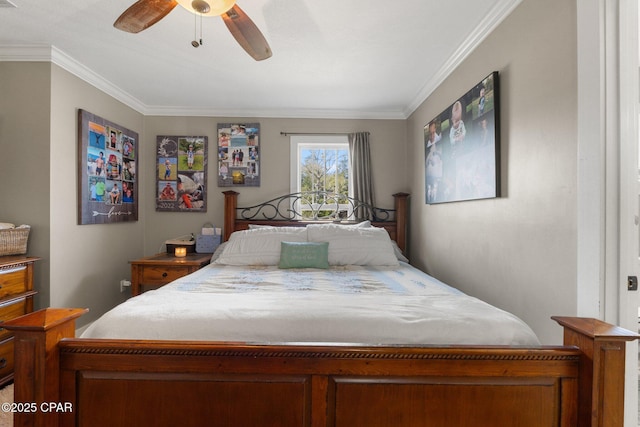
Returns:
<point x="246" y="33"/>
<point x="143" y="14"/>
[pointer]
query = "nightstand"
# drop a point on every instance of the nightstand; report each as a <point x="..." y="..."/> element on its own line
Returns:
<point x="158" y="270"/>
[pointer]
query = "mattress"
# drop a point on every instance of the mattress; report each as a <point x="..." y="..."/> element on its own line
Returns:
<point x="376" y="305"/>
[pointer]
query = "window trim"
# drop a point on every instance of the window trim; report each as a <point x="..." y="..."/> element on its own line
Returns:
<point x="297" y="142"/>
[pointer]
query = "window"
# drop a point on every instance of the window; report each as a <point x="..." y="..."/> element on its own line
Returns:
<point x="320" y="163"/>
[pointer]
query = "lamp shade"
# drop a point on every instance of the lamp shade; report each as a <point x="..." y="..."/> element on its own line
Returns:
<point x="216" y="7"/>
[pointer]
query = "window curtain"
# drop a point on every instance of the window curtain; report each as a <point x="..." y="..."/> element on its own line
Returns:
<point x="360" y="154"/>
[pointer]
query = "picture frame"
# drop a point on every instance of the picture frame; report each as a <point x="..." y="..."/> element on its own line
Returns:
<point x="239" y="154"/>
<point x="462" y="147"/>
<point x="107" y="171"/>
<point x="181" y="173"/>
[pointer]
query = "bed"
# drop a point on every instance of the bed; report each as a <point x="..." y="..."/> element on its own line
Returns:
<point x="344" y="361"/>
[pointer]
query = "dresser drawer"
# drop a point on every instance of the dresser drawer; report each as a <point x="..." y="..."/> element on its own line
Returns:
<point x="6" y="358"/>
<point x="160" y="275"/>
<point x="13" y="281"/>
<point x="11" y="311"/>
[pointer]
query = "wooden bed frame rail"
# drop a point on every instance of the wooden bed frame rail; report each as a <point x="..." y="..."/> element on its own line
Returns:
<point x="62" y="381"/>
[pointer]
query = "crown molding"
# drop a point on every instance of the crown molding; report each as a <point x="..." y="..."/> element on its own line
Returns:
<point x="25" y="53"/>
<point x="500" y="11"/>
<point x="48" y="53"/>
<point x="74" y="67"/>
<point x="45" y="53"/>
<point x="272" y="113"/>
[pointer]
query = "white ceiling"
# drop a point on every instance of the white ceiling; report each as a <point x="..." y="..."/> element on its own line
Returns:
<point x="331" y="58"/>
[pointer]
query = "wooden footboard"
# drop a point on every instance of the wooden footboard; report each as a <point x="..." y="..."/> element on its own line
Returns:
<point x="63" y="381"/>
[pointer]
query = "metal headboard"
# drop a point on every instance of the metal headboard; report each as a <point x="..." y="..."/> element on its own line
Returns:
<point x="315" y="206"/>
<point x="318" y="207"/>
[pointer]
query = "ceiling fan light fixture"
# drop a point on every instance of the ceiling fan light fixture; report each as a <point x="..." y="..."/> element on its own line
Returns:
<point x="207" y="7"/>
<point x="200" y="6"/>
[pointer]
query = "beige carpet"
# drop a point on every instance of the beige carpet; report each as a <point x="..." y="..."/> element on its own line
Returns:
<point x="6" y="396"/>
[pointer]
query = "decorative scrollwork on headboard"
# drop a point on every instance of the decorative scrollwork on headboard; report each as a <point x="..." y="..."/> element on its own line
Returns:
<point x="298" y="209"/>
<point x="315" y="206"/>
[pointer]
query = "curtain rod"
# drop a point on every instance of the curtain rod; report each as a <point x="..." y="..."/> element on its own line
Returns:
<point x="313" y="133"/>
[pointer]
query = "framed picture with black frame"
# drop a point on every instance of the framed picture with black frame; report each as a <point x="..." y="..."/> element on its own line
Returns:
<point x="181" y="173"/>
<point x="462" y="147"/>
<point x="107" y="171"/>
<point x="239" y="154"/>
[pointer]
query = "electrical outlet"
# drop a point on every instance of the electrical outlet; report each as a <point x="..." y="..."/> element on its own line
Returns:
<point x="124" y="284"/>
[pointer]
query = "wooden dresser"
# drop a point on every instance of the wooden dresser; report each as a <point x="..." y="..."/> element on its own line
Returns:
<point x="16" y="299"/>
<point x="160" y="269"/>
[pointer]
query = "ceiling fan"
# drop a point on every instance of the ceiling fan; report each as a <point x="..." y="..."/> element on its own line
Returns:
<point x="144" y="13"/>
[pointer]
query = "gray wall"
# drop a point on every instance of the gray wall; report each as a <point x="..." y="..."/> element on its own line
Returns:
<point x="81" y="265"/>
<point x="388" y="146"/>
<point x="519" y="251"/>
<point x="25" y="108"/>
<point x="87" y="261"/>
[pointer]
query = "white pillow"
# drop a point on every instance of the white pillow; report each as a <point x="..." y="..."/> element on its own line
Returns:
<point x="398" y="252"/>
<point x="354" y="245"/>
<point x="218" y="251"/>
<point x="274" y="227"/>
<point x="363" y="224"/>
<point x="260" y="246"/>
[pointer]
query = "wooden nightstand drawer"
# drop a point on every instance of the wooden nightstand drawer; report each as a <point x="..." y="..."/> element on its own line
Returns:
<point x="160" y="269"/>
<point x="13" y="281"/>
<point x="160" y="275"/>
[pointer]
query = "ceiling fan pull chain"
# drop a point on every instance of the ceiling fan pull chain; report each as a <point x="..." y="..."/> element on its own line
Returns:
<point x="195" y="43"/>
<point x="200" y="29"/>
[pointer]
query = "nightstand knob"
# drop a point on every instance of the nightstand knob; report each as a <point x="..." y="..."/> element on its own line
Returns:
<point x="164" y="274"/>
<point x="3" y="363"/>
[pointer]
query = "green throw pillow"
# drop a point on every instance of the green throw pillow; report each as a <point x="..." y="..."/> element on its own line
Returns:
<point x="304" y="255"/>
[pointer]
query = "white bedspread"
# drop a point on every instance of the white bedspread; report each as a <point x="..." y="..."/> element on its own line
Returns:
<point x="372" y="305"/>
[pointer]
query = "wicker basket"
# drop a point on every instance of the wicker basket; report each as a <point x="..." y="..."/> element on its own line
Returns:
<point x="13" y="241"/>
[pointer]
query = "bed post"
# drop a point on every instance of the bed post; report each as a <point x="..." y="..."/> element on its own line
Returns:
<point x="230" y="205"/>
<point x="401" y="220"/>
<point x="601" y="369"/>
<point x="37" y="367"/>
